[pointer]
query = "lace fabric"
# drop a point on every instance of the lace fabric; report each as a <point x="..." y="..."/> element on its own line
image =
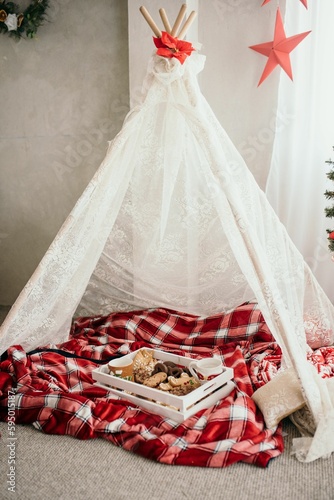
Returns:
<point x="173" y="218"/>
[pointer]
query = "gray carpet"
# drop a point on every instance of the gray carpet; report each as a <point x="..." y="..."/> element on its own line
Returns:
<point x="61" y="467"/>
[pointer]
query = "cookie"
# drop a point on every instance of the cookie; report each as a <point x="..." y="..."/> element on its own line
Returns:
<point x="155" y="380"/>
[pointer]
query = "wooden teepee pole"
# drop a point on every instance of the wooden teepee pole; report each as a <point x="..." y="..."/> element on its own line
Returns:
<point x="179" y="19"/>
<point x="165" y="21"/>
<point x="150" y="22"/>
<point x="187" y="25"/>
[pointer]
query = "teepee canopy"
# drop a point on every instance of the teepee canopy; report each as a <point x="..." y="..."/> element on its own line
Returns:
<point x="173" y="218"/>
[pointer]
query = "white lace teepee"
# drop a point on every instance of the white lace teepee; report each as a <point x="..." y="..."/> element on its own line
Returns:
<point x="173" y="218"/>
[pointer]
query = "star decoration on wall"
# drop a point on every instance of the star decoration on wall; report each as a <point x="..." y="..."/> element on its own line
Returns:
<point x="278" y="51"/>
<point x="304" y="2"/>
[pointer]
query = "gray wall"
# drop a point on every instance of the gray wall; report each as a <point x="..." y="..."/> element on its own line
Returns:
<point x="64" y="95"/>
<point x="232" y="72"/>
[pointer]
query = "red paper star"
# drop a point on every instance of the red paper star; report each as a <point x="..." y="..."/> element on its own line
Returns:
<point x="304" y="2"/>
<point x="279" y="49"/>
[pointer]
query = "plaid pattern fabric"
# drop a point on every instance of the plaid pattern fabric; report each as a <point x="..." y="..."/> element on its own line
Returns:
<point x="54" y="389"/>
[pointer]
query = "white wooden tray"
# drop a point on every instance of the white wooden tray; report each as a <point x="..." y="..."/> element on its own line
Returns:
<point x="179" y="407"/>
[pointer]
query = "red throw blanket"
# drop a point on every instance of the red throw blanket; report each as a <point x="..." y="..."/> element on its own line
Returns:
<point x="54" y="388"/>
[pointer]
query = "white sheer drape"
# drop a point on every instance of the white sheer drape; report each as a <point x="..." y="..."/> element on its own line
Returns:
<point x="297" y="178"/>
<point x="174" y="218"/>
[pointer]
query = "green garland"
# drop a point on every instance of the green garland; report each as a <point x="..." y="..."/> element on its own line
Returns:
<point x="329" y="211"/>
<point x="15" y="23"/>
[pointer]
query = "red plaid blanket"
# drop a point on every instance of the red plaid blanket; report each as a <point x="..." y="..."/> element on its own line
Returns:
<point x="54" y="389"/>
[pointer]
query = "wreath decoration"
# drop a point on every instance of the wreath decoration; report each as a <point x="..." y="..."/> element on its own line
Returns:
<point x="15" y="23"/>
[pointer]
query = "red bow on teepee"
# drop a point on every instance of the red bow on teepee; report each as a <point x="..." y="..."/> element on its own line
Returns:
<point x="169" y="46"/>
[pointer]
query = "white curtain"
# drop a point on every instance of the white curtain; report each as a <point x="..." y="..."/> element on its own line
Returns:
<point x="303" y="142"/>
